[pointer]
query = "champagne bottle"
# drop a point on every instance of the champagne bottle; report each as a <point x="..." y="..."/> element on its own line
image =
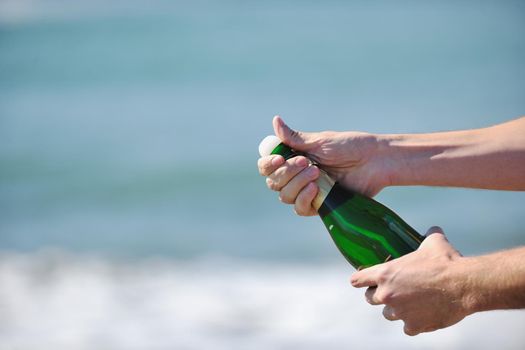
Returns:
<point x="365" y="231"/>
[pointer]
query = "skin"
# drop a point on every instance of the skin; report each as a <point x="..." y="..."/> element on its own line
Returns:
<point x="433" y="287"/>
<point x="351" y="158"/>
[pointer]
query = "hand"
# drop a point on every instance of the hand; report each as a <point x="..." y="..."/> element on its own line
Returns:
<point x="351" y="158"/>
<point x="423" y="288"/>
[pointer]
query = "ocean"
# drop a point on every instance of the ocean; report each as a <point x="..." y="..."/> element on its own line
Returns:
<point x="132" y="215"/>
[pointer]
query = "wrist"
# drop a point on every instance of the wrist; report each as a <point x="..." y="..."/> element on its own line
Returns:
<point x="491" y="282"/>
<point x="476" y="293"/>
<point x="393" y="158"/>
<point x="379" y="158"/>
<point x="467" y="281"/>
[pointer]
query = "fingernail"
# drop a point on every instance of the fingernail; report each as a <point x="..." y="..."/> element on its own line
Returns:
<point x="302" y="162"/>
<point x="282" y="124"/>
<point x="313" y="171"/>
<point x="276" y="160"/>
<point x="434" y="229"/>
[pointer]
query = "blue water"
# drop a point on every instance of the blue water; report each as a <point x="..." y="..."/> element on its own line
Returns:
<point x="132" y="128"/>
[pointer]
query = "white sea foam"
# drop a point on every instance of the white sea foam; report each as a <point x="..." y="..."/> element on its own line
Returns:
<point x="55" y="301"/>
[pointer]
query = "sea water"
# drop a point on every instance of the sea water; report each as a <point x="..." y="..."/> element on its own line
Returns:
<point x="131" y="211"/>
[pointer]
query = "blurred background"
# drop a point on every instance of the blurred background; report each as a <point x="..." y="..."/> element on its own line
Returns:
<point x="132" y="215"/>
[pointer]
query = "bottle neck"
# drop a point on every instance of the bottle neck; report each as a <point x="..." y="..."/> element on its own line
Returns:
<point x="325" y="184"/>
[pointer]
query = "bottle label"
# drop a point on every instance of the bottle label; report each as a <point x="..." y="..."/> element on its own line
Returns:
<point x="325" y="183"/>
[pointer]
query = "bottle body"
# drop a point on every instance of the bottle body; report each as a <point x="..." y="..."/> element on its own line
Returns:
<point x="365" y="231"/>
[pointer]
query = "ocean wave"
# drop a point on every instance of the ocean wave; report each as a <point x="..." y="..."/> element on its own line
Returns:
<point x="54" y="300"/>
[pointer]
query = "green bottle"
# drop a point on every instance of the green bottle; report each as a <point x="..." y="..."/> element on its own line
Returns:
<point x="365" y="231"/>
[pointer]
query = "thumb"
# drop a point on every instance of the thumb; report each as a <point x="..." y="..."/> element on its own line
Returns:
<point x="301" y="141"/>
<point x="436" y="240"/>
<point x="435" y="229"/>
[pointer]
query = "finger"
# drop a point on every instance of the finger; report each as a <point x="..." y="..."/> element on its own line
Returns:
<point x="371" y="296"/>
<point x="436" y="241"/>
<point x="287" y="171"/>
<point x="269" y="164"/>
<point x="434" y="236"/>
<point x="411" y="331"/>
<point x="291" y="190"/>
<point x="434" y="229"/>
<point x="389" y="313"/>
<point x="301" y="141"/>
<point x="367" y="277"/>
<point x="303" y="202"/>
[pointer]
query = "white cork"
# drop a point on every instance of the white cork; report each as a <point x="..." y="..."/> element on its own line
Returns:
<point x="268" y="144"/>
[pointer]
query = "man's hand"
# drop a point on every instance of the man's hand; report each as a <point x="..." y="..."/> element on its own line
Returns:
<point x="425" y="289"/>
<point x="354" y="159"/>
<point x="366" y="163"/>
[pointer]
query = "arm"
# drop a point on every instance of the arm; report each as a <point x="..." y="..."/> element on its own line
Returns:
<point x="435" y="287"/>
<point x="489" y="158"/>
<point x="496" y="281"/>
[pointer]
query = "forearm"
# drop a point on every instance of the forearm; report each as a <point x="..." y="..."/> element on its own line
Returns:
<point x="490" y="158"/>
<point x="494" y="281"/>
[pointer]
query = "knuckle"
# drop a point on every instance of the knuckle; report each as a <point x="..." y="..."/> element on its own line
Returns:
<point x="410" y="331"/>
<point x="432" y="328"/>
<point x="297" y="212"/>
<point x="382" y="276"/>
<point x="389" y="313"/>
<point x="300" y="161"/>
<point x="303" y="203"/>
<point x="272" y="185"/>
<point x="354" y="281"/>
<point x="387" y="297"/>
<point x="301" y="210"/>
<point x="260" y="165"/>
<point x="265" y="169"/>
<point x="384" y="296"/>
<point x="313" y="190"/>
<point x="268" y="165"/>
<point x="438" y="323"/>
<point x="400" y="313"/>
<point x="282" y="172"/>
<point x="285" y="198"/>
<point x="379" y="298"/>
